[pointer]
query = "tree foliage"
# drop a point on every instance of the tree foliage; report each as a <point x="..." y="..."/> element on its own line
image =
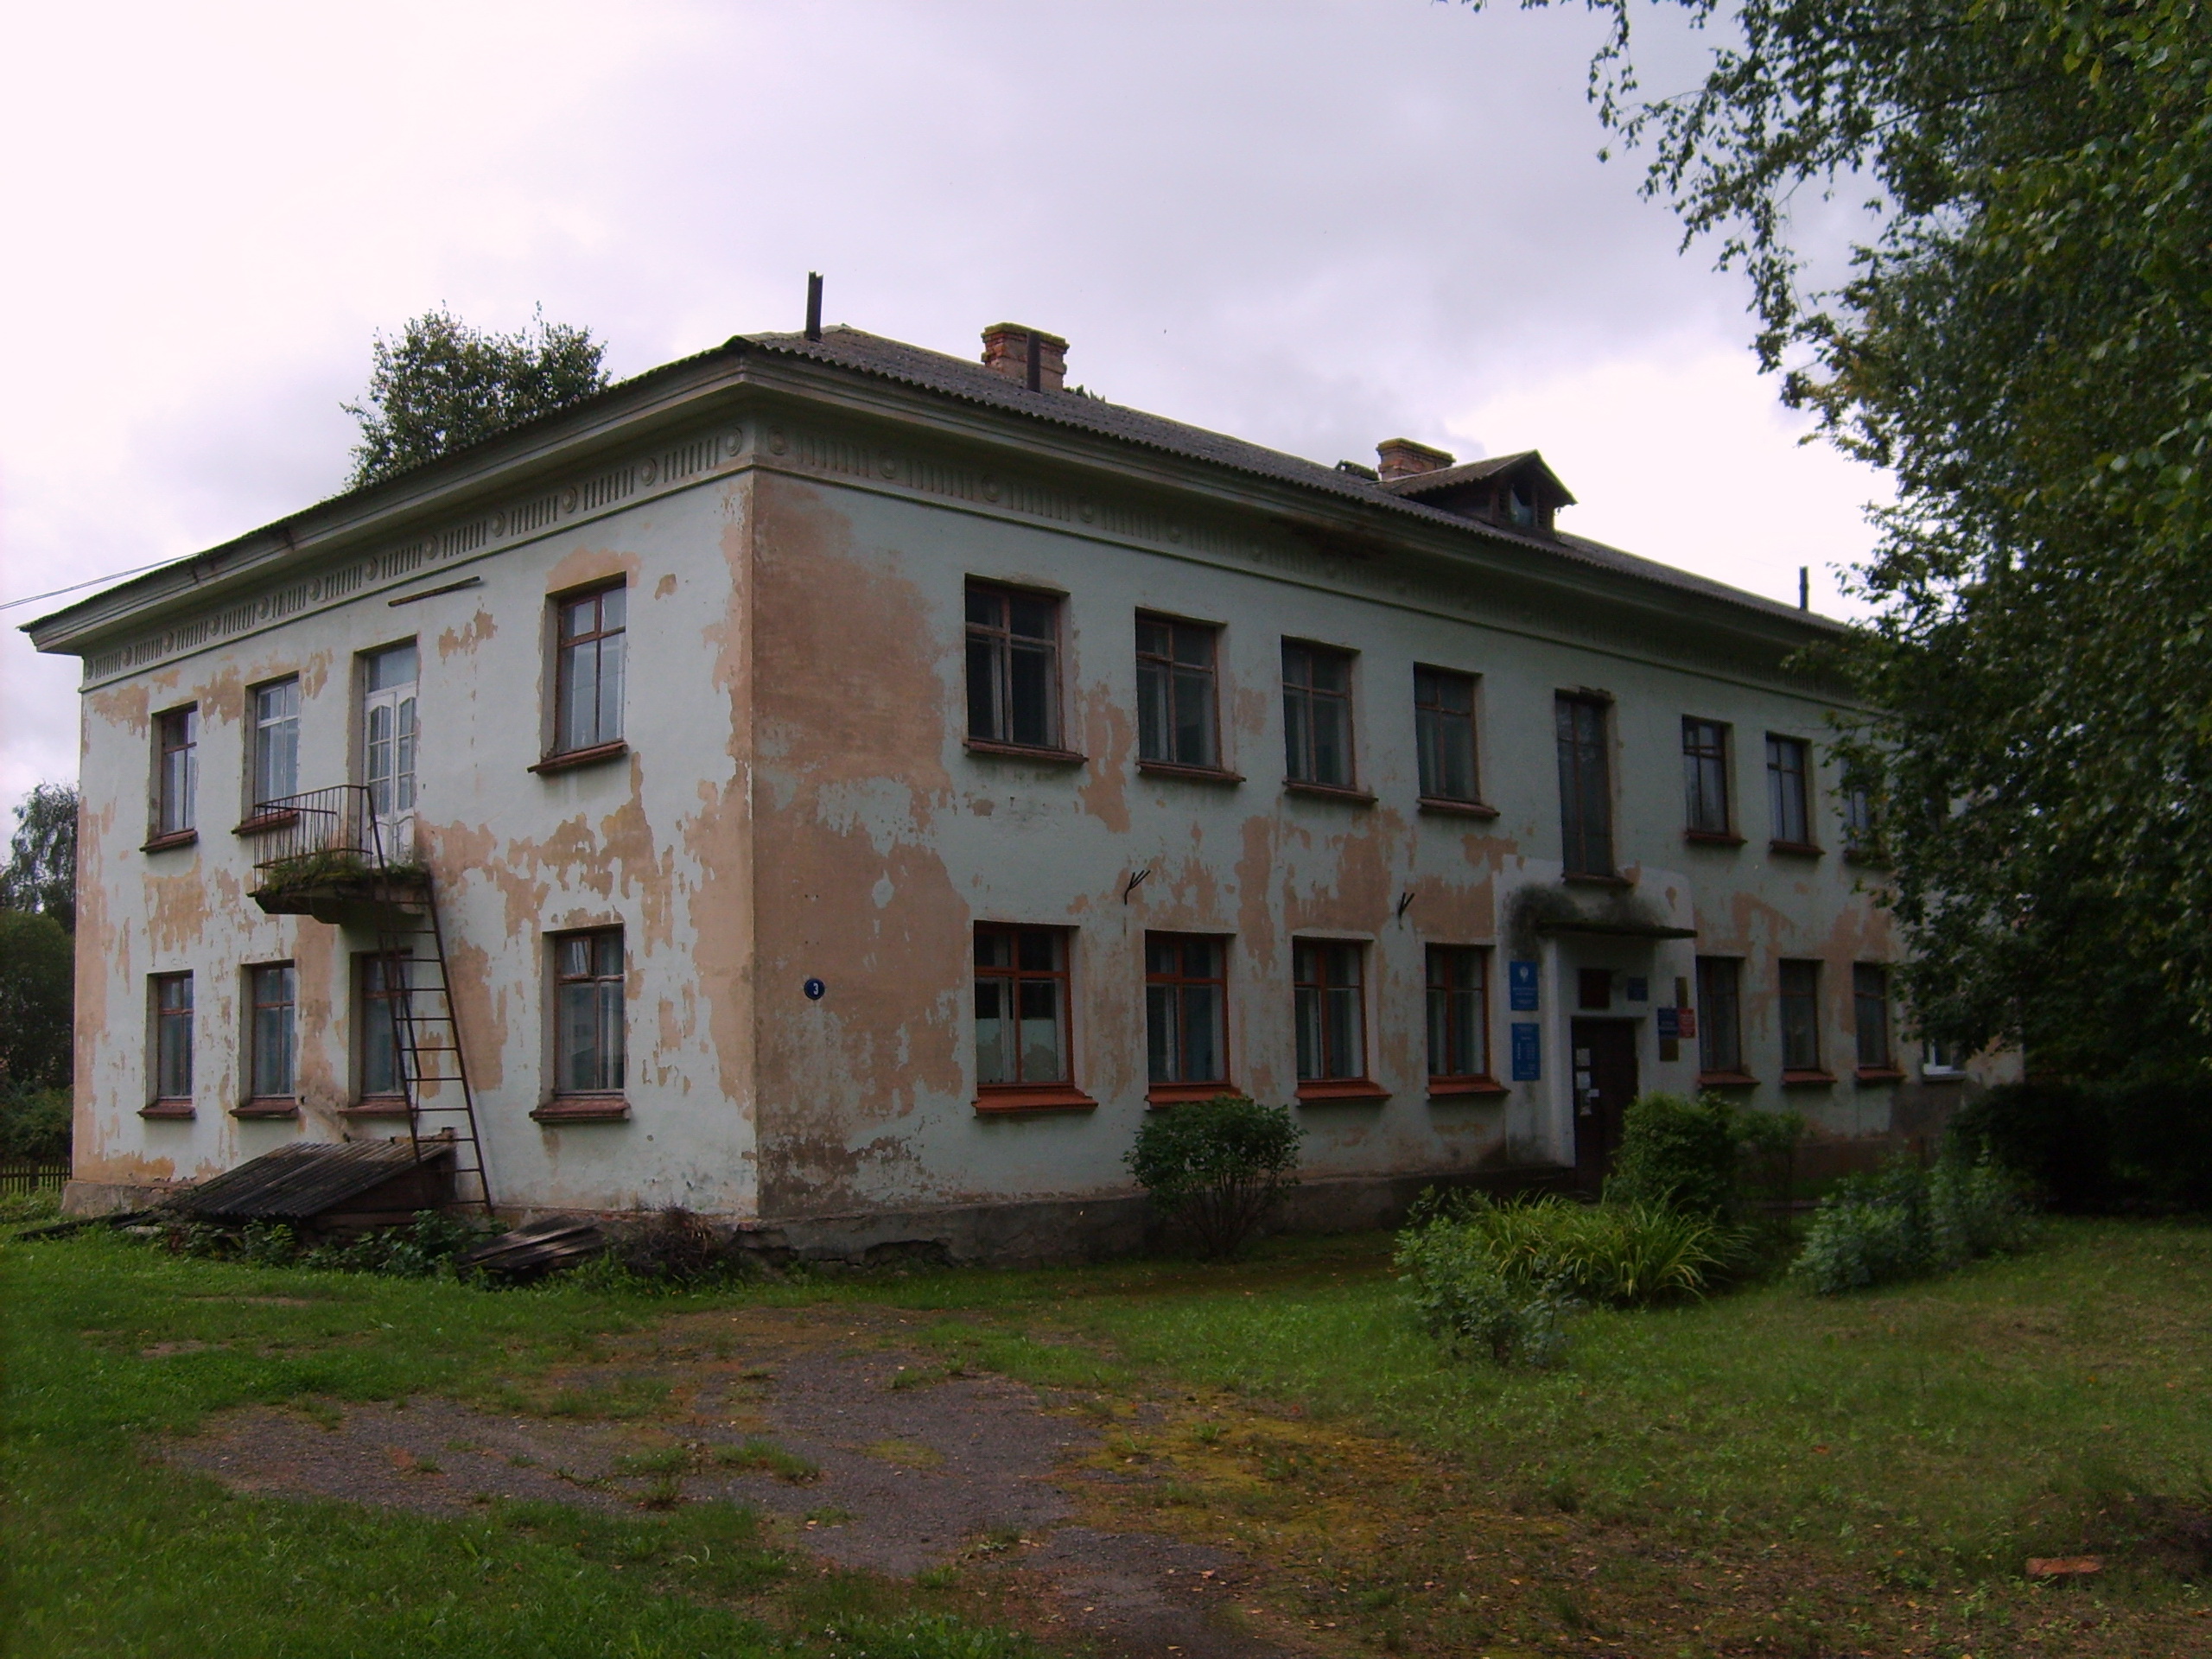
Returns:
<point x="444" y="385"/>
<point x="2021" y="339"/>
<point x="37" y="990"/>
<point x="41" y="870"/>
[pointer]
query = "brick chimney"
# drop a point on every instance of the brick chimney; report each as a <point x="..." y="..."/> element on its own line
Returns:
<point x="1402" y="458"/>
<point x="1005" y="350"/>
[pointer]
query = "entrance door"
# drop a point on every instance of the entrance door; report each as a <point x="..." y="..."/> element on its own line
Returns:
<point x="1604" y="1083"/>
<point x="388" y="734"/>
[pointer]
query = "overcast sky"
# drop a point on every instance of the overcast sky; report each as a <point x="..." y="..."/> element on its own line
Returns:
<point x="1312" y="223"/>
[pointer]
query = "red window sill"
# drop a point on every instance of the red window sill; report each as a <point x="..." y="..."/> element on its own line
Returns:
<point x="262" y="822"/>
<point x="1794" y="848"/>
<point x="1591" y="879"/>
<point x="1465" y="1088"/>
<point x="583" y="1109"/>
<point x="1176" y="1094"/>
<point x="1043" y="757"/>
<point x="275" y="1108"/>
<point x="1457" y="809"/>
<point x="1026" y="1097"/>
<point x="1807" y="1079"/>
<point x="569" y="758"/>
<point x="1943" y="1076"/>
<point x="1342" y="1088"/>
<point x="1711" y="838"/>
<point x="1879" y="1074"/>
<point x="377" y="1106"/>
<point x="177" y="1109"/>
<point x="1195" y="774"/>
<point x="165" y="843"/>
<point x="1328" y="791"/>
<point x="1726" y="1080"/>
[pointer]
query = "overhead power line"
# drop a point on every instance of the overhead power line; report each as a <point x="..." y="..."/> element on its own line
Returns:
<point x="74" y="587"/>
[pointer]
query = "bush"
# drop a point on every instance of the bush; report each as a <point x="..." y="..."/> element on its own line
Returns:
<point x="1465" y="1298"/>
<point x="34" y="1125"/>
<point x="1217" y="1166"/>
<point x="1679" y="1154"/>
<point x="2086" y="1148"/>
<point x="1621" y="1255"/>
<point x="1906" y="1222"/>
<point x="425" y="1247"/>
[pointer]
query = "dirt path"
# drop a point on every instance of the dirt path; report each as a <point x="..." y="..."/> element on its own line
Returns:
<point x="873" y="1454"/>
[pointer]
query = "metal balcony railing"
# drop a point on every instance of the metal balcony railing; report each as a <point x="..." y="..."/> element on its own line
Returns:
<point x="331" y="826"/>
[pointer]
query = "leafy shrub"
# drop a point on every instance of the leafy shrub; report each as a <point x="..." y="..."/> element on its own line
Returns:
<point x="1904" y="1222"/>
<point x="34" y="1125"/>
<point x="1620" y="1254"/>
<point x="1679" y="1154"/>
<point x="1217" y="1166"/>
<point x="2054" y="1136"/>
<point x="1465" y="1297"/>
<point x="426" y="1246"/>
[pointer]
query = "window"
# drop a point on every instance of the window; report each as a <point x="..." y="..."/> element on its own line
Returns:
<point x="1594" y="989"/>
<point x="1786" y="771"/>
<point x="1459" y="1017"/>
<point x="1939" y="1058"/>
<point x="1859" y="837"/>
<point x="1021" y="1005"/>
<point x="1331" y="1012"/>
<point x="382" y="982"/>
<point x="1705" y="776"/>
<point x="1586" y="802"/>
<point x="172" y="1065"/>
<point x="1317" y="715"/>
<point x="588" y="1004"/>
<point x="1870" y="1007"/>
<point x="176" y="770"/>
<point x="1177" y="722"/>
<point x="1444" y="734"/>
<point x="272" y="1059"/>
<point x="1186" y="1000"/>
<point x="1014" y="667"/>
<point x="1801" y="1016"/>
<point x="273" y="745"/>
<point x="1719" y="1014"/>
<point x="587" y="706"/>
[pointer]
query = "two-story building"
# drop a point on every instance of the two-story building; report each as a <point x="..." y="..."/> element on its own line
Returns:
<point x="841" y="788"/>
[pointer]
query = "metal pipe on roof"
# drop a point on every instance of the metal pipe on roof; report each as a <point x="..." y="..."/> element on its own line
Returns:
<point x="814" y="305"/>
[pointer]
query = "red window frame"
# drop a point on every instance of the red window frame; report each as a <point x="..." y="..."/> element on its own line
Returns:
<point x="1020" y="1093"/>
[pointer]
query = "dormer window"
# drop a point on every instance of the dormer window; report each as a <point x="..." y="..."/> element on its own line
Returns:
<point x="1520" y="508"/>
<point x="1513" y="491"/>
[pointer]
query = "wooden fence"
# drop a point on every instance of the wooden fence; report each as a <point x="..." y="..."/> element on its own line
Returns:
<point x="29" y="1177"/>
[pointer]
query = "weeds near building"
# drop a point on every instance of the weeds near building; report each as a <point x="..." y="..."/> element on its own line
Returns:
<point x="1906" y="1222"/>
<point x="1217" y="1167"/>
<point x="1464" y="1295"/>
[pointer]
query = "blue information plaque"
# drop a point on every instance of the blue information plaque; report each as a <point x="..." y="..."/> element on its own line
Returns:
<point x="1670" y="1021"/>
<point x="1521" y="986"/>
<point x="1528" y="1051"/>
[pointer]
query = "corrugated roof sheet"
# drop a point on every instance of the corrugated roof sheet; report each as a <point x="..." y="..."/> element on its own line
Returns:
<point x="299" y="1181"/>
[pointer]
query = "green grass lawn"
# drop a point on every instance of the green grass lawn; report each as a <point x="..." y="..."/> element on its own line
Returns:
<point x="1930" y="1438"/>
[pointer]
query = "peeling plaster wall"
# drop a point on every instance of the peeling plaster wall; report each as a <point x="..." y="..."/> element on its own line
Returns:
<point x="656" y="842"/>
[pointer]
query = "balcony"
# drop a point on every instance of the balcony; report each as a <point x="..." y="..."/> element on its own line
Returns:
<point x="331" y="855"/>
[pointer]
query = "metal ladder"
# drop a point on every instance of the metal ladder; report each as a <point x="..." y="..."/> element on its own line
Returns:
<point x="440" y="1106"/>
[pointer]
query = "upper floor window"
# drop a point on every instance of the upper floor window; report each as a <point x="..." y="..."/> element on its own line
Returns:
<point x="272" y="1040"/>
<point x="1870" y="1007"/>
<point x="1444" y="734"/>
<point x="172" y="1067"/>
<point x="1940" y="1057"/>
<point x="1330" y="1009"/>
<point x="1788" y="768"/>
<point x="276" y="742"/>
<point x="588" y="704"/>
<point x="1705" y="776"/>
<point x="1585" y="789"/>
<point x="1014" y="667"/>
<point x="588" y="1058"/>
<point x="1021" y="1005"/>
<point x="1801" y="1016"/>
<point x="1858" y="835"/>
<point x="1178" y="702"/>
<point x="1719" y="1014"/>
<point x="1458" y="1040"/>
<point x="176" y="770"/>
<point x="1185" y="1001"/>
<point x="1317" y="715"/>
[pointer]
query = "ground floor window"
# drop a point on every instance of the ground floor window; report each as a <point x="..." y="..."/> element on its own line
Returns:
<point x="1801" y="1016"/>
<point x="1719" y="1014"/>
<point x="172" y="1067"/>
<point x="588" y="1013"/>
<point x="1021" y="1005"/>
<point x="1186" y="1002"/>
<point x="383" y="983"/>
<point x="1330" y="1008"/>
<point x="273" y="1056"/>
<point x="1870" y="1000"/>
<point x="1458" y="1037"/>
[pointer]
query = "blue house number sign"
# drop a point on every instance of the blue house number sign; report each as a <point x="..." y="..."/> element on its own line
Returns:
<point x="815" y="989"/>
